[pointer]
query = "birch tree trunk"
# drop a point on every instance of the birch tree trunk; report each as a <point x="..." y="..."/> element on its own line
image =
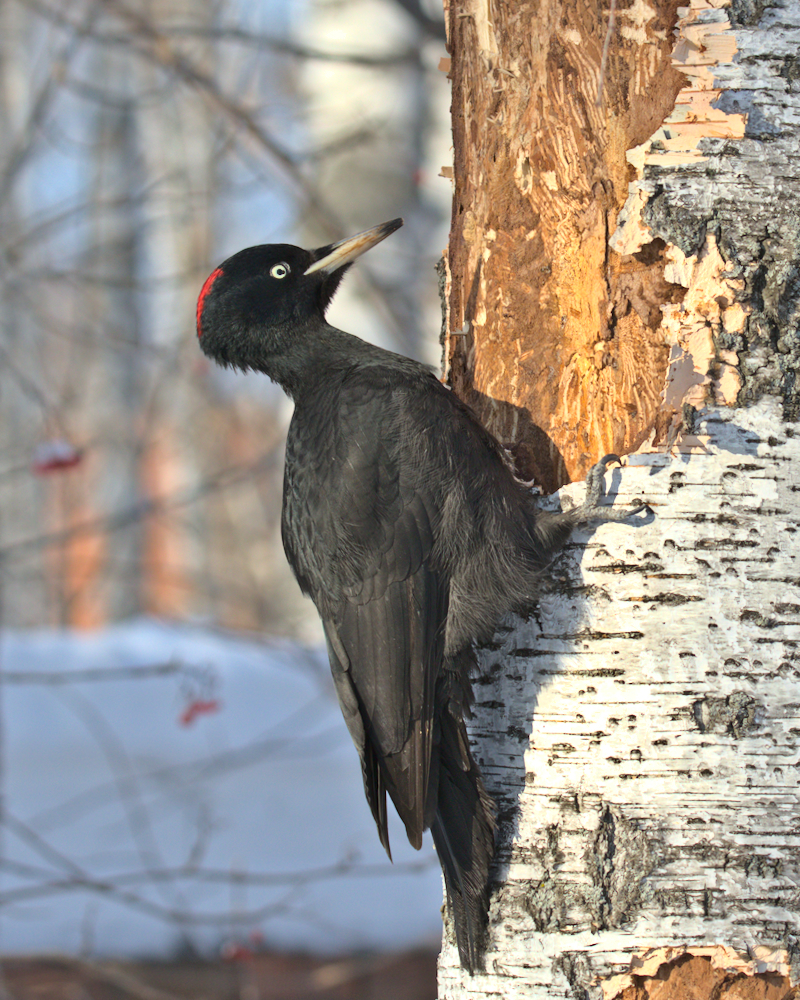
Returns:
<point x="624" y="275"/>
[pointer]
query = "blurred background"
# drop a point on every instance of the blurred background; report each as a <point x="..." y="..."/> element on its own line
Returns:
<point x="175" y="779"/>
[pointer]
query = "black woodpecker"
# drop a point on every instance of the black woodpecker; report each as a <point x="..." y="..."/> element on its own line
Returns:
<point x="404" y="523"/>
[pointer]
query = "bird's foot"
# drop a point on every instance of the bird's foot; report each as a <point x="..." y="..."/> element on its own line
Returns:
<point x="592" y="508"/>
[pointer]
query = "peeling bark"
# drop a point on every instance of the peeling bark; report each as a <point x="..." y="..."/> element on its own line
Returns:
<point x="702" y="972"/>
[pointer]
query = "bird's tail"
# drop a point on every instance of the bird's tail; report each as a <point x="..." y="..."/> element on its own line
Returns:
<point x="463" y="826"/>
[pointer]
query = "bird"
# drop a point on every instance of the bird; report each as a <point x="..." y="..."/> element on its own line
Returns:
<point x="405" y="523"/>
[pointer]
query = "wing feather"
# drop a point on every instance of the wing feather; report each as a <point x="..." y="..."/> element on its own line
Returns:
<point x="362" y="545"/>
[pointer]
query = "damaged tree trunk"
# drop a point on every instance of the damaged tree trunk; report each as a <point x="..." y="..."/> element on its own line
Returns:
<point x="623" y="274"/>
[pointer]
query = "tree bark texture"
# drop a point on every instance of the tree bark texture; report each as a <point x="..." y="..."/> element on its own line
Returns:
<point x="563" y="356"/>
<point x="626" y="276"/>
<point x="640" y="735"/>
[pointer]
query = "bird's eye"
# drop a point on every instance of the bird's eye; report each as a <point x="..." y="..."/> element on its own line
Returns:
<point x="279" y="270"/>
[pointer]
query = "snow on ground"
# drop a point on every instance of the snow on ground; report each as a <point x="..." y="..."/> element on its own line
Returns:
<point x="186" y="787"/>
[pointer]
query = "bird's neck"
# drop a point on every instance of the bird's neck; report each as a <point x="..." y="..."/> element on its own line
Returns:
<point x="316" y="355"/>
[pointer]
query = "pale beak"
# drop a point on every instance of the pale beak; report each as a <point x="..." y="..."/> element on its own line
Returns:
<point x="332" y="257"/>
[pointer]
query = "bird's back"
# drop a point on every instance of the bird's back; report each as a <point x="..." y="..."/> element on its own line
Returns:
<point x="385" y="467"/>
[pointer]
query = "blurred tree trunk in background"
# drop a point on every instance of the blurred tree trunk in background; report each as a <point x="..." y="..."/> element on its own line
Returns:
<point x="624" y="275"/>
<point x="22" y="345"/>
<point x="112" y="390"/>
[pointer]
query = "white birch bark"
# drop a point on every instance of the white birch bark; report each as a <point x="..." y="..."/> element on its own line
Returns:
<point x="641" y="731"/>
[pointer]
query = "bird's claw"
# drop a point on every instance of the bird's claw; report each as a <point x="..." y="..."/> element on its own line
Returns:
<point x="592" y="508"/>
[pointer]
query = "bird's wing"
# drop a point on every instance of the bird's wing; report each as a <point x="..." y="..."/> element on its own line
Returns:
<point x="359" y="527"/>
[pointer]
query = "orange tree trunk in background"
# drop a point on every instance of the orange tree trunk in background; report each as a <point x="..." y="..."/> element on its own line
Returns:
<point x="563" y="358"/>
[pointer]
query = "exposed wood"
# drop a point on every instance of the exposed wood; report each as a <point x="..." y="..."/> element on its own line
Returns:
<point x="712" y="971"/>
<point x="563" y="358"/>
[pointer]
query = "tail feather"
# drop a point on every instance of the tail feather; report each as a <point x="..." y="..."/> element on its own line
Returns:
<point x="463" y="832"/>
<point x="375" y="790"/>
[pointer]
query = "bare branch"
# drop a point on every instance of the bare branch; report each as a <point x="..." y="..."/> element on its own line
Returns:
<point x="135" y="512"/>
<point x="285" y="47"/>
<point x="88" y="675"/>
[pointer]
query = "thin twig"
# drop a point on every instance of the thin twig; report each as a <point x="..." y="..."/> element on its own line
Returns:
<point x="89" y="674"/>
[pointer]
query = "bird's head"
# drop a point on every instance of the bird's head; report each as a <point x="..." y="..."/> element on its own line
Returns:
<point x="258" y="303"/>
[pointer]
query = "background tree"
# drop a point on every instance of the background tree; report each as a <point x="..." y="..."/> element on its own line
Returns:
<point x="142" y="143"/>
<point x="623" y="274"/>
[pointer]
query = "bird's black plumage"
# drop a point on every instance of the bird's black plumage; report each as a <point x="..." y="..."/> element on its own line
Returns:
<point x="405" y="524"/>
